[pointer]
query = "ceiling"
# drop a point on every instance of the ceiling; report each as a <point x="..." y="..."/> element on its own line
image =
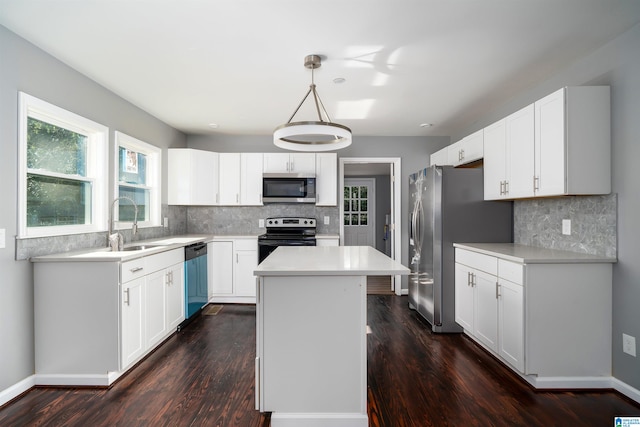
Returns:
<point x="239" y="63"/>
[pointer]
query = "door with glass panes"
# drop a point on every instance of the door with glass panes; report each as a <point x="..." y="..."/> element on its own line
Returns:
<point x="359" y="218"/>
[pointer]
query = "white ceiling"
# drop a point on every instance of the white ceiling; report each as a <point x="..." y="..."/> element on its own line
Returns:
<point x="239" y="63"/>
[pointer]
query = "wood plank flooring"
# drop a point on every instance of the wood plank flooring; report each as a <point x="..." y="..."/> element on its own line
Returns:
<point x="204" y="376"/>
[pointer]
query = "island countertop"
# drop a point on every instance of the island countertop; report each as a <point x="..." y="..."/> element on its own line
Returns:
<point x="329" y="261"/>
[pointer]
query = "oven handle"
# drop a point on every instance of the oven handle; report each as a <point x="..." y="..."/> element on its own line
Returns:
<point x="286" y="243"/>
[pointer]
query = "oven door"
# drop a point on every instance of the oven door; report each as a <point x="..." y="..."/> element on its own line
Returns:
<point x="266" y="246"/>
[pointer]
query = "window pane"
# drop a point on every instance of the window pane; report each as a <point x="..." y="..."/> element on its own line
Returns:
<point x="127" y="211"/>
<point x="347" y="191"/>
<point x="363" y="205"/>
<point x="354" y="219"/>
<point x="55" y="149"/>
<point x="57" y="201"/>
<point x="346" y="205"/>
<point x="363" y="219"/>
<point x="347" y="217"/>
<point x="363" y="192"/>
<point x="354" y="205"/>
<point x="133" y="167"/>
<point x="354" y="192"/>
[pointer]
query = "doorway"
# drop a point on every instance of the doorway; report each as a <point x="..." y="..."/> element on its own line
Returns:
<point x="383" y="172"/>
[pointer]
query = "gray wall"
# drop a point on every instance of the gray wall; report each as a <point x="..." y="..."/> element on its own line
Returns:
<point x="616" y="64"/>
<point x="414" y="153"/>
<point x="24" y="67"/>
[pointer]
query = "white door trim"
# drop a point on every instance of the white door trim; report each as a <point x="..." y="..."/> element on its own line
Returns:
<point x="394" y="227"/>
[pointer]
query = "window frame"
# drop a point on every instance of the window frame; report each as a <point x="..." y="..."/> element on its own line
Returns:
<point x="153" y="179"/>
<point x="96" y="161"/>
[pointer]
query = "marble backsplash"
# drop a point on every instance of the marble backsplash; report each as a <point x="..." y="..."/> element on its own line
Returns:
<point x="31" y="247"/>
<point x="538" y="222"/>
<point x="243" y="220"/>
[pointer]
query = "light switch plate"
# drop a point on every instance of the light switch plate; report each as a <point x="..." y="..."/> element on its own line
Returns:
<point x="629" y="344"/>
<point x="3" y="237"/>
<point x="165" y="224"/>
<point x="327" y="220"/>
<point x="261" y="223"/>
<point x="566" y="227"/>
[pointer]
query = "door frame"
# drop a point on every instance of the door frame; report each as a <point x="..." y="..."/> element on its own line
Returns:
<point x="396" y="194"/>
<point x="371" y="205"/>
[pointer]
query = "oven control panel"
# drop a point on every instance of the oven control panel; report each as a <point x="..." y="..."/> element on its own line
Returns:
<point x="291" y="222"/>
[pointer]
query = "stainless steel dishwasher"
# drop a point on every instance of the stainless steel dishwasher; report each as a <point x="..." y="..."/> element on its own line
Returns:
<point x="195" y="278"/>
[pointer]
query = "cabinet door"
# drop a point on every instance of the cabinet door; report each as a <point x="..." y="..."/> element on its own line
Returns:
<point x="520" y="128"/>
<point x="193" y="177"/>
<point x="486" y="309"/>
<point x="175" y="296"/>
<point x="156" y="306"/>
<point x="304" y="163"/>
<point x="495" y="160"/>
<point x="229" y="179"/>
<point x="454" y="153"/>
<point x="511" y="323"/>
<point x="276" y="163"/>
<point x="464" y="297"/>
<point x="326" y="179"/>
<point x="220" y="268"/>
<point x="245" y="282"/>
<point x="132" y="321"/>
<point x="251" y="179"/>
<point x="550" y="160"/>
<point x="328" y="242"/>
<point x="440" y="158"/>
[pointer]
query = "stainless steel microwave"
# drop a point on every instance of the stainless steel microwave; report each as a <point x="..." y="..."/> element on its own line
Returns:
<point x="288" y="189"/>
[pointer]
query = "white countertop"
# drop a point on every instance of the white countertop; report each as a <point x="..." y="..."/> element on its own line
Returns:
<point x="105" y="254"/>
<point x="328" y="261"/>
<point x="531" y="254"/>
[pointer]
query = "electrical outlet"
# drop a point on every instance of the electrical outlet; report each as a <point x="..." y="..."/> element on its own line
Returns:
<point x="566" y="227"/>
<point x="629" y="344"/>
<point x="261" y="223"/>
<point x="327" y="220"/>
<point x="165" y="223"/>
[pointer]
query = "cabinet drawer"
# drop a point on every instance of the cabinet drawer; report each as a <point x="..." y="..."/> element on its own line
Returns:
<point x="245" y="245"/>
<point x="510" y="271"/>
<point x="478" y="261"/>
<point x="163" y="260"/>
<point x="133" y="269"/>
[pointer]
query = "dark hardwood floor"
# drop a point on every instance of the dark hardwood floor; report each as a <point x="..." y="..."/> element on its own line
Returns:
<point x="204" y="376"/>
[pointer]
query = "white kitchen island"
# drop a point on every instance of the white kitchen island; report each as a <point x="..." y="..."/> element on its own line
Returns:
<point x="311" y="355"/>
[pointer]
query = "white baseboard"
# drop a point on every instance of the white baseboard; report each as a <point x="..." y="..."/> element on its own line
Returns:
<point x="64" y="380"/>
<point x="17" y="389"/>
<point x="576" y="383"/>
<point x="626" y="389"/>
<point x="318" y="420"/>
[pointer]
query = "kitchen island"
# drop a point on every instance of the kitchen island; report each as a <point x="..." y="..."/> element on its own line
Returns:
<point x="311" y="328"/>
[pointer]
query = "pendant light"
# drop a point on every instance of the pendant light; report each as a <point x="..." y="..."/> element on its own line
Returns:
<point x="321" y="135"/>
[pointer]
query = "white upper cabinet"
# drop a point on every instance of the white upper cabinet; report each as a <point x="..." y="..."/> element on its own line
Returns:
<point x="326" y="179"/>
<point x="573" y="142"/>
<point x="229" y="176"/>
<point x="440" y="157"/>
<point x="467" y="150"/>
<point x="251" y="165"/>
<point x="301" y="163"/>
<point x="192" y="177"/>
<point x="560" y="145"/>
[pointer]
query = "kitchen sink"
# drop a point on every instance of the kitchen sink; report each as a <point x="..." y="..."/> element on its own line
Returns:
<point x="140" y="247"/>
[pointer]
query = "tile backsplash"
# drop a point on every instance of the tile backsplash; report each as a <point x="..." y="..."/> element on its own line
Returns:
<point x="538" y="222"/>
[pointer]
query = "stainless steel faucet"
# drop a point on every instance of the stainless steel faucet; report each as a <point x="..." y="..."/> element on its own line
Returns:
<point x="116" y="241"/>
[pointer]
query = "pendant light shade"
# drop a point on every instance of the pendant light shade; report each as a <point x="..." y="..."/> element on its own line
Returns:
<point x="321" y="135"/>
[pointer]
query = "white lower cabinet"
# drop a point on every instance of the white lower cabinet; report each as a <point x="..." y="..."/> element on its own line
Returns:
<point x="94" y="320"/>
<point x="327" y="240"/>
<point x="231" y="264"/>
<point x="539" y="317"/>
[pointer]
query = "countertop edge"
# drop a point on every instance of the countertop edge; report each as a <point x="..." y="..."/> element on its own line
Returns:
<point x="534" y="255"/>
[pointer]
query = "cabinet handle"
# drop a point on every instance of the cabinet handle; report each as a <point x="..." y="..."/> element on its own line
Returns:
<point x="536" y="183"/>
<point x="497" y="290"/>
<point x="237" y="259"/>
<point x="468" y="278"/>
<point x="292" y="167"/>
<point x="501" y="188"/>
<point x="473" y="279"/>
<point x="506" y="187"/>
<point x="461" y="155"/>
<point x="136" y="269"/>
<point x="126" y="293"/>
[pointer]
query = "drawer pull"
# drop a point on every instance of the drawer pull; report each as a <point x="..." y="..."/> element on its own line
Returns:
<point x="126" y="292"/>
<point x="136" y="269"/>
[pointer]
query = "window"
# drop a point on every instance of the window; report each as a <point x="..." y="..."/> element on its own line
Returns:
<point x="356" y="205"/>
<point x="138" y="175"/>
<point x="62" y="170"/>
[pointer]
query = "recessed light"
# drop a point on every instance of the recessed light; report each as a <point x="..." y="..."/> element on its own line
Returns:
<point x="339" y="80"/>
<point x="213" y="125"/>
<point x="426" y="125"/>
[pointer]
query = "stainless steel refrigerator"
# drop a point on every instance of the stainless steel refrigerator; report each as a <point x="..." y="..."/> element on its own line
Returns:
<point x="447" y="206"/>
